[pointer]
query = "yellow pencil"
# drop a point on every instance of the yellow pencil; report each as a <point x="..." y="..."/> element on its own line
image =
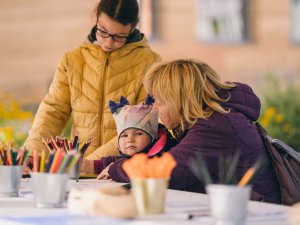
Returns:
<point x="42" y="164"/>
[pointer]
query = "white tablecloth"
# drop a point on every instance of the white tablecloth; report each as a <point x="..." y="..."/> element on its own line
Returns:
<point x="181" y="208"/>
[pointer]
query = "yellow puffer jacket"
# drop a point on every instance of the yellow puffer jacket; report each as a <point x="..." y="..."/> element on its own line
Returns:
<point x="85" y="80"/>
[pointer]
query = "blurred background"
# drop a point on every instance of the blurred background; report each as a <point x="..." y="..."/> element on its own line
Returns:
<point x="251" y="41"/>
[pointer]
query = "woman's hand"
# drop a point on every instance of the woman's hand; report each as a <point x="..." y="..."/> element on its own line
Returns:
<point x="28" y="164"/>
<point x="104" y="174"/>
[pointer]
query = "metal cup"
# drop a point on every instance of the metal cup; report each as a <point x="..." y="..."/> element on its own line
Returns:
<point x="10" y="179"/>
<point x="74" y="172"/>
<point x="228" y="203"/>
<point x="150" y="194"/>
<point x="49" y="189"/>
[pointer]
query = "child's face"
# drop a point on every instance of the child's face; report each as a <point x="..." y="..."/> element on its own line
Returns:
<point x="133" y="140"/>
<point x="110" y="34"/>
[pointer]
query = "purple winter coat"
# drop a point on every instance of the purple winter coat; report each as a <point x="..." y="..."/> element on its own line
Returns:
<point x="221" y="134"/>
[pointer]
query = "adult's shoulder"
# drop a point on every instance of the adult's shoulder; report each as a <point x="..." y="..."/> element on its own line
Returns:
<point x="215" y="129"/>
<point x="217" y="121"/>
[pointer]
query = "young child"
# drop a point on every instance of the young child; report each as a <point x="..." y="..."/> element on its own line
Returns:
<point x="138" y="132"/>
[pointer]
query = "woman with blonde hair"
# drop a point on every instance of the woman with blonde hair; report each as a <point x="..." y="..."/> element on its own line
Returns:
<point x="211" y="117"/>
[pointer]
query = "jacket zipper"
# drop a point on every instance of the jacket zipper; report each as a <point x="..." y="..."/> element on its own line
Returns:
<point x="102" y="102"/>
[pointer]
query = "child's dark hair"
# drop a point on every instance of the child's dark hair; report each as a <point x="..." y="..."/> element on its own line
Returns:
<point x="123" y="11"/>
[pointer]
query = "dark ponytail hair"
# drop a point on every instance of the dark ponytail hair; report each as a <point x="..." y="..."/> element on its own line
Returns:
<point x="123" y="11"/>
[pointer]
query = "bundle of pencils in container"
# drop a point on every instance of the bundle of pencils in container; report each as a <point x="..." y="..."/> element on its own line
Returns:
<point x="63" y="144"/>
<point x="10" y="156"/>
<point x="57" y="162"/>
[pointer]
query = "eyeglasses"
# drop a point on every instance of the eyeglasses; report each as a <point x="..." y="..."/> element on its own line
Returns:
<point x="117" y="38"/>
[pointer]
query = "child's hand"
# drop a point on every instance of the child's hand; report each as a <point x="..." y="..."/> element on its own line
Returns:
<point x="104" y="174"/>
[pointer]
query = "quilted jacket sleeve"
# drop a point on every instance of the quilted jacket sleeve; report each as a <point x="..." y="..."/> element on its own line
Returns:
<point x="108" y="149"/>
<point x="54" y="111"/>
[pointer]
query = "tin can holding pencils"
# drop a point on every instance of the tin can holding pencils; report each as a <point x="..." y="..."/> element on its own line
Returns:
<point x="49" y="189"/>
<point x="10" y="179"/>
<point x="228" y="203"/>
<point x="150" y="194"/>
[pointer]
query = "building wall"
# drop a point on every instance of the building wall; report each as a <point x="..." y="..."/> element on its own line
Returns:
<point x="34" y="34"/>
<point x="268" y="51"/>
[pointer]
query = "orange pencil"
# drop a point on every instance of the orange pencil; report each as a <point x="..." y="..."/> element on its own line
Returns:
<point x="8" y="156"/>
<point x="247" y="176"/>
<point x="58" y="162"/>
<point x="56" y="156"/>
<point x="54" y="143"/>
<point x="252" y="171"/>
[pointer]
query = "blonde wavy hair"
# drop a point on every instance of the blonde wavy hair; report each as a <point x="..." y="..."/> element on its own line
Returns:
<point x="188" y="88"/>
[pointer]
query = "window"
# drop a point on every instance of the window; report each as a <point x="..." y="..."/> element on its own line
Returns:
<point x="295" y="21"/>
<point x="222" y="20"/>
<point x="147" y="23"/>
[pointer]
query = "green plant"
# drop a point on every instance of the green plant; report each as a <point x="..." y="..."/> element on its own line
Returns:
<point x="281" y="111"/>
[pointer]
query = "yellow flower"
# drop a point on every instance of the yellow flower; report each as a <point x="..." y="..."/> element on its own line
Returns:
<point x="14" y="120"/>
<point x="278" y="118"/>
<point x="268" y="114"/>
<point x="265" y="121"/>
<point x="11" y="110"/>
<point x="6" y="133"/>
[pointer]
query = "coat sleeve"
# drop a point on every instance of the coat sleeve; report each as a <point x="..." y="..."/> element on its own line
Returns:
<point x="54" y="111"/>
<point x="108" y="149"/>
<point x="207" y="138"/>
<point x="117" y="173"/>
<point x="101" y="164"/>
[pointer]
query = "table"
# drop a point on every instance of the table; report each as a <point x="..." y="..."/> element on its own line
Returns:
<point x="181" y="208"/>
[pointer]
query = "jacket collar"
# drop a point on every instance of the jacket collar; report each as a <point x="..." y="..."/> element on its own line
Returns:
<point x="133" y="43"/>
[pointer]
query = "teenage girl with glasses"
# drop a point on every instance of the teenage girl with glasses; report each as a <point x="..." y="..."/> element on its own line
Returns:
<point x="111" y="62"/>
